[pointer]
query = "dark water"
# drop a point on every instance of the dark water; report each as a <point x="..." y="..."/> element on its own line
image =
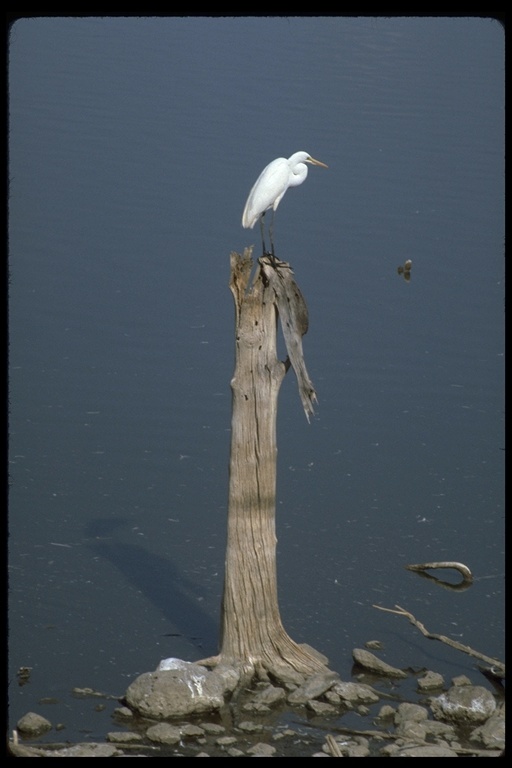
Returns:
<point x="132" y="146"/>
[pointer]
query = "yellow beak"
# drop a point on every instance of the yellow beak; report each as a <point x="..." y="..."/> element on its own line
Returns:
<point x="316" y="162"/>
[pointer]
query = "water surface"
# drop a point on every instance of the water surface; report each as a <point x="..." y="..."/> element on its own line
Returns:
<point x="133" y="143"/>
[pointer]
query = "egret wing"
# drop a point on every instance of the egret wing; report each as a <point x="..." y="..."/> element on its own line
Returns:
<point x="267" y="192"/>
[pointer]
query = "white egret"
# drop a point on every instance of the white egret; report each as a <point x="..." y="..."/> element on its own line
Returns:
<point x="270" y="187"/>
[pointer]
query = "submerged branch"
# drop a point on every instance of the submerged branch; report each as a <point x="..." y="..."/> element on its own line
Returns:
<point x="443" y="639"/>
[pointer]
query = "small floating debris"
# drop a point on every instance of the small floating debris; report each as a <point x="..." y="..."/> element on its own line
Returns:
<point x="23" y="675"/>
<point x="405" y="269"/>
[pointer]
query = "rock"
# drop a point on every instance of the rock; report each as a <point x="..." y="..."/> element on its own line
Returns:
<point x="390" y="750"/>
<point x="264" y="699"/>
<point x="234" y="752"/>
<point x="492" y="733"/>
<point x="33" y="724"/>
<point x="286" y="675"/>
<point x="358" y="750"/>
<point x="412" y="731"/>
<point x="249" y="727"/>
<point x="270" y="695"/>
<point x="430" y="681"/>
<point x="461" y="680"/>
<point x="226" y="741"/>
<point x="439" y="730"/>
<point x="87" y="750"/>
<point x="262" y="750"/>
<point x="321" y="708"/>
<point x="386" y="712"/>
<point x="123" y="712"/>
<point x="164" y="733"/>
<point x="371" y="663"/>
<point x="253" y="706"/>
<point x="314" y="687"/>
<point x="374" y="645"/>
<point x="464" y="704"/>
<point x="410" y="721"/>
<point x="335" y="700"/>
<point x="413" y="712"/>
<point x="213" y="729"/>
<point x="180" y="691"/>
<point x="355" y="692"/>
<point x="123" y="737"/>
<point x="429" y="750"/>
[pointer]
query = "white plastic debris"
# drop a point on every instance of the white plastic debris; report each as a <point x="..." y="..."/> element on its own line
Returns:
<point x="172" y="664"/>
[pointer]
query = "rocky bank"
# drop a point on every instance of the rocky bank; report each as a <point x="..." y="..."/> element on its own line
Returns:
<point x="187" y="710"/>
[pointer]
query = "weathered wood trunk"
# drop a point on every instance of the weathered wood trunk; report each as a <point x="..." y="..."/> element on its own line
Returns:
<point x="252" y="633"/>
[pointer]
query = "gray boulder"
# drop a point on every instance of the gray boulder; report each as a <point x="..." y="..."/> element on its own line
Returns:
<point x="33" y="724"/>
<point x="464" y="704"/>
<point x="180" y="688"/>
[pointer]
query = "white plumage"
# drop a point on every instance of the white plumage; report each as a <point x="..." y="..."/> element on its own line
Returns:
<point x="271" y="185"/>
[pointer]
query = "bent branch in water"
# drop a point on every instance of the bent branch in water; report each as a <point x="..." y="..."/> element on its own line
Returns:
<point x="500" y="666"/>
<point x="460" y="567"/>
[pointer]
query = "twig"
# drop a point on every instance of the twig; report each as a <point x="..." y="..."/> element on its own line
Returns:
<point x="442" y="638"/>
<point x="333" y="746"/>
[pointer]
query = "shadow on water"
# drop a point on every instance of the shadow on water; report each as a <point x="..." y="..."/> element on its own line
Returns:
<point x="166" y="587"/>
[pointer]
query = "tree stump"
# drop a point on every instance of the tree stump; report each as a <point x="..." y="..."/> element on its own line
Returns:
<point x="253" y="639"/>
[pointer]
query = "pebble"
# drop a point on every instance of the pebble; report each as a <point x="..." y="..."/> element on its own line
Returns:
<point x="262" y="750"/>
<point x="164" y="733"/>
<point x="430" y="681"/>
<point x="123" y="737"/>
<point x="249" y="727"/>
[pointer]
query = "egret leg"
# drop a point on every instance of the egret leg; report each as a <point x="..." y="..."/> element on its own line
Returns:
<point x="271" y="232"/>
<point x="262" y="226"/>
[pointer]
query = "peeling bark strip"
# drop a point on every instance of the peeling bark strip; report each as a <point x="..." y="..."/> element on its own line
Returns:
<point x="252" y="633"/>
<point x="293" y="313"/>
